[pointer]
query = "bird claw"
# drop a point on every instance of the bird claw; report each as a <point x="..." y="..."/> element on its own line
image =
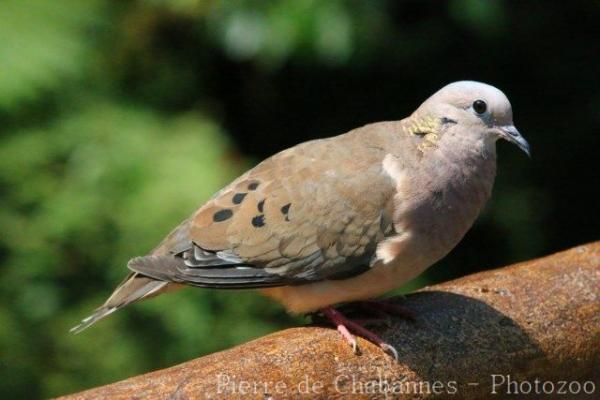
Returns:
<point x="344" y="325"/>
<point x="391" y="350"/>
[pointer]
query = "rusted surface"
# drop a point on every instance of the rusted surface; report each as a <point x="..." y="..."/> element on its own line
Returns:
<point x="534" y="320"/>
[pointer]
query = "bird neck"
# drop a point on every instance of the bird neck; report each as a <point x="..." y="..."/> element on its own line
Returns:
<point x="464" y="162"/>
<point x="455" y="181"/>
<point x="471" y="149"/>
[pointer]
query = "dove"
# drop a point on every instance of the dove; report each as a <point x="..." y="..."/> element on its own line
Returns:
<point x="341" y="219"/>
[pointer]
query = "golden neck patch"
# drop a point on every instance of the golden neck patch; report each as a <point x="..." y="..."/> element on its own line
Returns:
<point x="427" y="128"/>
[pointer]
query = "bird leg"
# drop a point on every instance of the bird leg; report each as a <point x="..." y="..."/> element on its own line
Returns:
<point x="345" y="325"/>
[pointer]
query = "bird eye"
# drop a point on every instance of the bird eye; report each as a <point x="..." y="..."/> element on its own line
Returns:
<point x="479" y="106"/>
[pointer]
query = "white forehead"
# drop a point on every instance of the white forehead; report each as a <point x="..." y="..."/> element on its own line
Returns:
<point x="473" y="90"/>
<point x="463" y="93"/>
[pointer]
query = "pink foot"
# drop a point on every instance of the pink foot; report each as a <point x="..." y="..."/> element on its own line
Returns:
<point x="345" y="325"/>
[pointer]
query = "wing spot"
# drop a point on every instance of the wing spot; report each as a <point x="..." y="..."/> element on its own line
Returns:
<point x="285" y="210"/>
<point x="258" y="221"/>
<point x="222" y="215"/>
<point x="253" y="186"/>
<point x="448" y="121"/>
<point x="261" y="205"/>
<point x="238" y="198"/>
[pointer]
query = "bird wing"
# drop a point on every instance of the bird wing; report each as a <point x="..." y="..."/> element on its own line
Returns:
<point x="315" y="211"/>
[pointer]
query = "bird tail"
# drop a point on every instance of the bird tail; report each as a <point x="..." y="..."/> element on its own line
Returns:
<point x="134" y="288"/>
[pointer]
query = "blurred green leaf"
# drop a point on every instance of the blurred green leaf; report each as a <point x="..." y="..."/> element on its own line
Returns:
<point x="273" y="32"/>
<point x="42" y="43"/>
<point x="100" y="186"/>
<point x="487" y="17"/>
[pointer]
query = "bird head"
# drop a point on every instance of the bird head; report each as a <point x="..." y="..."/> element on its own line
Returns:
<point x="479" y="108"/>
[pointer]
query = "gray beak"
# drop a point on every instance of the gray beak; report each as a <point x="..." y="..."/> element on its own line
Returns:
<point x="510" y="133"/>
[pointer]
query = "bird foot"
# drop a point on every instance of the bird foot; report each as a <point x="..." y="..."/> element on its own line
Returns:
<point x="345" y="326"/>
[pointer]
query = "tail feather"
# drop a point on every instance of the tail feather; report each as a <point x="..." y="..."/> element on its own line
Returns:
<point x="134" y="288"/>
<point x="88" y="321"/>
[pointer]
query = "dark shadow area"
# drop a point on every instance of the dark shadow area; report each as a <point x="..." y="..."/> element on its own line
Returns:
<point x="468" y="337"/>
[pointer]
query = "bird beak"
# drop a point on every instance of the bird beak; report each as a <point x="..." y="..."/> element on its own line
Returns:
<point x="510" y="133"/>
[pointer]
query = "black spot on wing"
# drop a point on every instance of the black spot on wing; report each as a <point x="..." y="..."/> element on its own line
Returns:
<point x="253" y="185"/>
<point x="222" y="215"/>
<point x="258" y="221"/>
<point x="238" y="198"/>
<point x="261" y="205"/>
<point x="447" y="121"/>
<point x="285" y="210"/>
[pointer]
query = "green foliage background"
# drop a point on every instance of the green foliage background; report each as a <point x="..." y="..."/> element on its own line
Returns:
<point x="119" y="118"/>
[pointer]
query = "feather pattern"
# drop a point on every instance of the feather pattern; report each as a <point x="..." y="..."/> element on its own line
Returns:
<point x="342" y="218"/>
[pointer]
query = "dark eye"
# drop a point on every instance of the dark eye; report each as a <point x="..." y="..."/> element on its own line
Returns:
<point x="479" y="106"/>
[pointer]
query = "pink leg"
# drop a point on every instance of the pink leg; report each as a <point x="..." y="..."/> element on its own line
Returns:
<point x="345" y="325"/>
